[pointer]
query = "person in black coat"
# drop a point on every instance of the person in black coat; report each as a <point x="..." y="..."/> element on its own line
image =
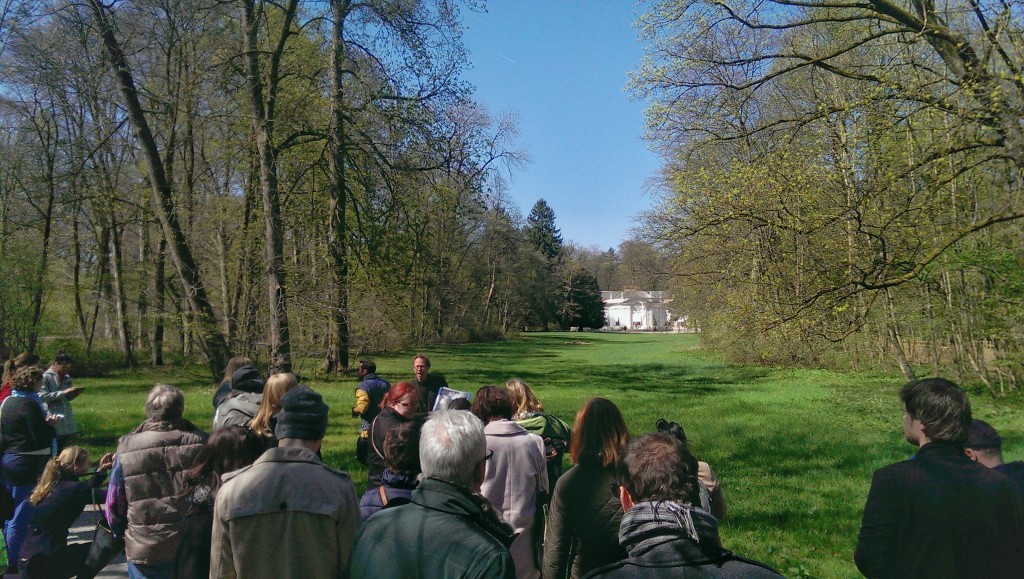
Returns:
<point x="53" y="507"/>
<point x="229" y="448"/>
<point x="27" y="439"/>
<point x="398" y="407"/>
<point x="940" y="514"/>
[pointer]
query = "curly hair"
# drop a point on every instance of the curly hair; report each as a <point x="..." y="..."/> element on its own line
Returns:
<point x="27" y="378"/>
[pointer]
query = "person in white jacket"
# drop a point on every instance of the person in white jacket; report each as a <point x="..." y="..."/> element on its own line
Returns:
<point x="516" y="475"/>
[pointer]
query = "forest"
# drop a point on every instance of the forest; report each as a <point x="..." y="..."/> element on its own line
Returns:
<point x="841" y="184"/>
<point x="274" y="179"/>
<point x="843" y="180"/>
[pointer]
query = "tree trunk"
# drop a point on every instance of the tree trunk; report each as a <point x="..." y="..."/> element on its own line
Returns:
<point x="159" y="293"/>
<point x="210" y="339"/>
<point x="338" y="342"/>
<point x="144" y="269"/>
<point x="37" y="299"/>
<point x="120" y="307"/>
<point x="262" y="123"/>
<point x="76" y="246"/>
<point x="897" y="342"/>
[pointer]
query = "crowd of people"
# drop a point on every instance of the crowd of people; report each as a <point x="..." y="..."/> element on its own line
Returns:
<point x="457" y="486"/>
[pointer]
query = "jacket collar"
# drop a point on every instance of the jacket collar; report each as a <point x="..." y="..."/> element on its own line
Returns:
<point x="503" y="428"/>
<point x="288" y="454"/>
<point x="938" y="447"/>
<point x="165" y="425"/>
<point x="445" y="497"/>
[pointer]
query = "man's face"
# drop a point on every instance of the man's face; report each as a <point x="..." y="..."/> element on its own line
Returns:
<point x="361" y="372"/>
<point x="62" y="369"/>
<point x="912" y="429"/>
<point x="420" y="368"/>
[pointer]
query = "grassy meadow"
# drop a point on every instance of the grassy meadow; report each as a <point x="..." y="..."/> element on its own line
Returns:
<point x="794" y="449"/>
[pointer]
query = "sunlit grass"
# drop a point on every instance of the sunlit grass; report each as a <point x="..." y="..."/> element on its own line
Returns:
<point x="795" y="449"/>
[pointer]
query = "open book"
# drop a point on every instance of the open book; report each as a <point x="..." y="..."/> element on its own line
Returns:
<point x="445" y="396"/>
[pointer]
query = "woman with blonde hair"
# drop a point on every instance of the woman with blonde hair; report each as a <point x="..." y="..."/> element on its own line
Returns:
<point x="524" y="403"/>
<point x="53" y="507"/>
<point x="528" y="412"/>
<point x="585" y="514"/>
<point x="263" y="422"/>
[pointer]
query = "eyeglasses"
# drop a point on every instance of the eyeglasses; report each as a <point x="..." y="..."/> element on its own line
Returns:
<point x="489" y="454"/>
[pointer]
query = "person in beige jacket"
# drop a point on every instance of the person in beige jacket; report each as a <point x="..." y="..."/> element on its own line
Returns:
<point x="288" y="514"/>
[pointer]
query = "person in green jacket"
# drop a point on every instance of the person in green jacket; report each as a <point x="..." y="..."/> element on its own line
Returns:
<point x="448" y="530"/>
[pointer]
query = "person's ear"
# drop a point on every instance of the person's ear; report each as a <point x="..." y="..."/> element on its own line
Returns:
<point x="971" y="453"/>
<point x="625" y="499"/>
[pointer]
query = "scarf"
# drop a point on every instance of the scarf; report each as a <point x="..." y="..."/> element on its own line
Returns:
<point x="649" y="523"/>
<point x="31" y="396"/>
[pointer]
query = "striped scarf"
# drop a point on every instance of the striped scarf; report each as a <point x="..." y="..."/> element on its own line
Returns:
<point x="650" y="523"/>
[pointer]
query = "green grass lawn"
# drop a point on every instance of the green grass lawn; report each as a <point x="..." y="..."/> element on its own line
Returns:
<point x="795" y="449"/>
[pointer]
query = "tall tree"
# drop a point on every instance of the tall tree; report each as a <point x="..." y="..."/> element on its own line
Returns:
<point x="211" y="340"/>
<point x="263" y="80"/>
<point x="542" y="233"/>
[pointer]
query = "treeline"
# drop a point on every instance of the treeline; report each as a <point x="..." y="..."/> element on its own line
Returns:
<point x="212" y="178"/>
<point x="844" y="180"/>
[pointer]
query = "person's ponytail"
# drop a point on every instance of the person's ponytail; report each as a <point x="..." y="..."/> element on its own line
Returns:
<point x="56" y="469"/>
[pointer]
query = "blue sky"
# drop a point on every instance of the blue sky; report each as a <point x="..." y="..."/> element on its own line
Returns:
<point x="562" y="65"/>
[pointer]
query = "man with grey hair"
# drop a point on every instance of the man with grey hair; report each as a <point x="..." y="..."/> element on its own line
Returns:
<point x="448" y="530"/>
<point x="144" y="496"/>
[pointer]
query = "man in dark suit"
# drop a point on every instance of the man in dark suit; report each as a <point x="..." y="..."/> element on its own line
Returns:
<point x="428" y="384"/>
<point x="940" y="514"/>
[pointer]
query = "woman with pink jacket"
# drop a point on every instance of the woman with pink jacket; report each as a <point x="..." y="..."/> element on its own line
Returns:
<point x="516" y="475"/>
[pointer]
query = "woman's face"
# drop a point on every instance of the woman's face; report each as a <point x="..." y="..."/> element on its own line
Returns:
<point x="404" y="406"/>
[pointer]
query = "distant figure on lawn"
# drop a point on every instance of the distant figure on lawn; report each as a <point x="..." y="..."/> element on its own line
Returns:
<point x="224" y="387"/>
<point x="369" y="394"/>
<point x="448" y="530"/>
<point x="428" y="384"/>
<point x="57" y="393"/>
<point x="241" y="403"/>
<point x="985" y="446"/>
<point x="940" y="514"/>
<point x="664" y="530"/>
<point x="146" y="502"/>
<point x="288" y="514"/>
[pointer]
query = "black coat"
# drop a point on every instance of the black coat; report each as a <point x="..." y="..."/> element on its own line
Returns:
<point x="23" y="426"/>
<point x="50" y="520"/>
<point x="382" y="425"/>
<point x="583" y="523"/>
<point x="940" y="514"/>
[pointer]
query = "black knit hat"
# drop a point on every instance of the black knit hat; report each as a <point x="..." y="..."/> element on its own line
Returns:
<point x="982" y="435"/>
<point x="247" y="379"/>
<point x="303" y="415"/>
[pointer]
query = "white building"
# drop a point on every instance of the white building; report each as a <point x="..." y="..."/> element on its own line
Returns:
<point x="637" y="310"/>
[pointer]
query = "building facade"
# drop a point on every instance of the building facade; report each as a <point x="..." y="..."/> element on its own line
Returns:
<point x="637" y="310"/>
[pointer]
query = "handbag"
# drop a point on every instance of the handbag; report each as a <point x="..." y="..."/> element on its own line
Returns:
<point x="104" y="547"/>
